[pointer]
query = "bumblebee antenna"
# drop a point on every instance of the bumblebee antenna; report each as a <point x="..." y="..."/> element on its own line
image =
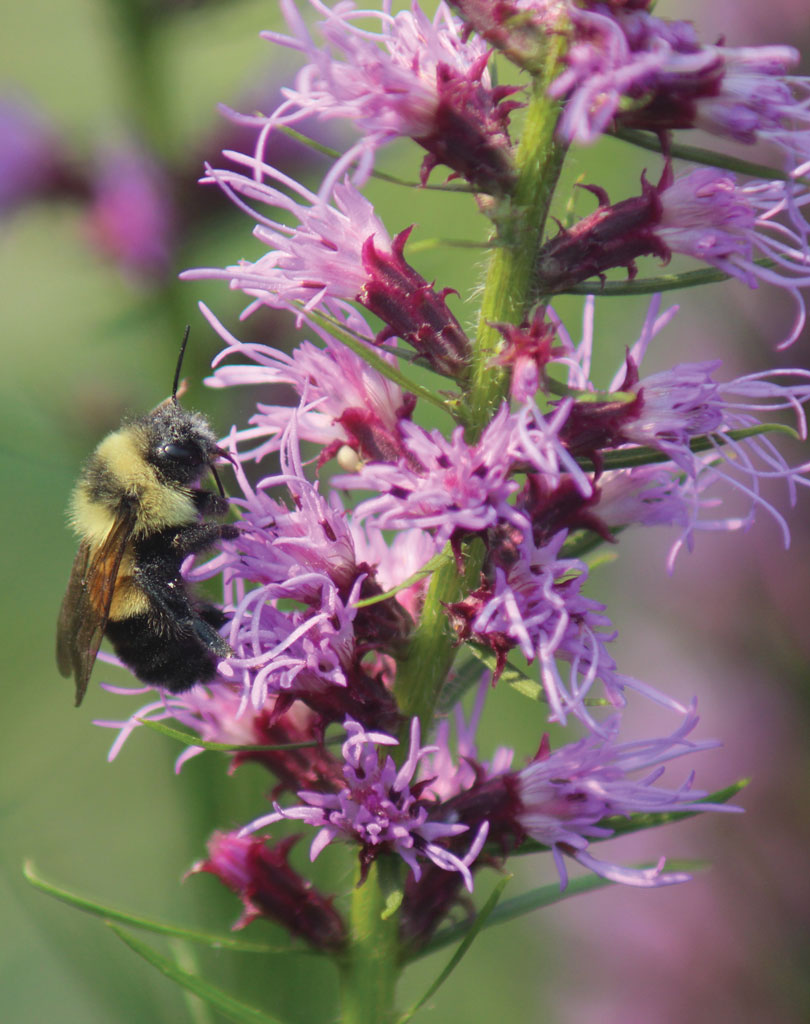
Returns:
<point x="180" y="363"/>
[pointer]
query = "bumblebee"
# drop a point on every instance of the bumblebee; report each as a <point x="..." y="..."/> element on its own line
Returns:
<point x="139" y="514"/>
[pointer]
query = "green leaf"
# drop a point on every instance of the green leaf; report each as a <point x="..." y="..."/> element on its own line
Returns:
<point x="361" y="348"/>
<point x="660" y="283"/>
<point x="511" y="675"/>
<point x="430" y="244"/>
<point x="619" y="825"/>
<point x="229" y="748"/>
<point x="536" y="899"/>
<point x="638" y="822"/>
<point x="697" y="155"/>
<point x="199" y="1011"/>
<point x="223" y="1002"/>
<point x="437" y="562"/>
<point x="627" y="458"/>
<point x="580" y="543"/>
<point x="110" y="914"/>
<point x="518" y="680"/>
<point x="472" y="930"/>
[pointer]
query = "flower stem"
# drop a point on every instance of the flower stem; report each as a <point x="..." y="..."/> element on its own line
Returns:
<point x="370" y="968"/>
<point x="433" y="646"/>
<point x="510" y="288"/>
<point x="509" y="293"/>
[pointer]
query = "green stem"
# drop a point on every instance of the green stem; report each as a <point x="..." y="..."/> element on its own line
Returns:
<point x="370" y="968"/>
<point x="509" y="293"/>
<point x="432" y="649"/>
<point x="510" y="287"/>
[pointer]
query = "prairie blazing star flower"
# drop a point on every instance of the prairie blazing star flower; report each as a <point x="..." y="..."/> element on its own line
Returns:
<point x="705" y="215"/>
<point x="670" y="409"/>
<point x="346" y="402"/>
<point x="380" y="808"/>
<point x="443" y="485"/>
<point x="414" y="77"/>
<point x="340" y="252"/>
<point x="268" y="887"/>
<point x="562" y="796"/>
<point x="535" y="603"/>
<point x="565" y="798"/>
<point x="672" y="81"/>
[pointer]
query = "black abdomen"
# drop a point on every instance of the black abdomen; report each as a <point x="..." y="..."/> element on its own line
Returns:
<point x="175" y="658"/>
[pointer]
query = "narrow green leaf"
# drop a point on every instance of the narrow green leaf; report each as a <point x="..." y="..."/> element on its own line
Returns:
<point x="470" y="934"/>
<point x="229" y="748"/>
<point x="437" y="562"/>
<point x="638" y="822"/>
<point x="649" y="285"/>
<point x="429" y="244"/>
<point x="361" y="348"/>
<point x="110" y="914"/>
<point x="536" y="899"/>
<point x="199" y="1011"/>
<point x="334" y="154"/>
<point x="659" y="283"/>
<point x="698" y="155"/>
<point x="627" y="458"/>
<point x="511" y="675"/>
<point x="518" y="680"/>
<point x="223" y="1002"/>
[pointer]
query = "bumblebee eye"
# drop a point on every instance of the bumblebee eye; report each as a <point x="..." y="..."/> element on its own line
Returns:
<point x="187" y="454"/>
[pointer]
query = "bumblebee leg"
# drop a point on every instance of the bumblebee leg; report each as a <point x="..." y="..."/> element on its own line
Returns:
<point x="188" y="540"/>
<point x="210" y="504"/>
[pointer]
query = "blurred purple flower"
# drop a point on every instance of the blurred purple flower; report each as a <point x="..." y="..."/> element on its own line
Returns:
<point x="131" y="218"/>
<point x="32" y="161"/>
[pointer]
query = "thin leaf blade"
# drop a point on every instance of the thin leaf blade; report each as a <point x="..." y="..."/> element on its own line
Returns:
<point x="88" y="906"/>
<point x="226" y="1004"/>
<point x="469" y="937"/>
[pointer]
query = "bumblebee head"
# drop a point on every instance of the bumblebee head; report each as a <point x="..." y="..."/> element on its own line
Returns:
<point x="179" y="445"/>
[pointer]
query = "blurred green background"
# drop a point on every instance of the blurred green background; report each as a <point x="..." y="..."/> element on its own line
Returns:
<point x="83" y="342"/>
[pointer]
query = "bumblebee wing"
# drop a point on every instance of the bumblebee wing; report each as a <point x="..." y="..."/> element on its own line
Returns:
<point x="86" y="604"/>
